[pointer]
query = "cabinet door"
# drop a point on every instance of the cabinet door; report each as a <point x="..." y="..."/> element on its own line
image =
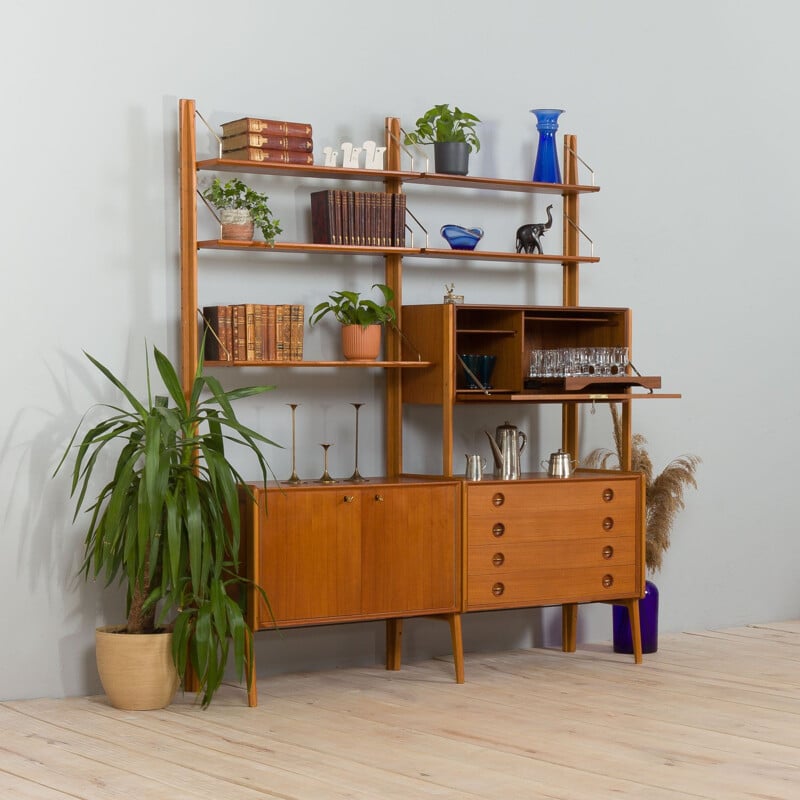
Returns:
<point x="410" y="542"/>
<point x="310" y="554"/>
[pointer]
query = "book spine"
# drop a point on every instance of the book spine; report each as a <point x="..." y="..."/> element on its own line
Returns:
<point x="267" y="142"/>
<point x="263" y="156"/>
<point x="266" y="126"/>
<point x="270" y="333"/>
<point x="297" y="311"/>
<point x="227" y="333"/>
<point x="250" y="331"/>
<point x="279" y="356"/>
<point x="285" y="332"/>
<point x="239" y="330"/>
<point x="258" y="332"/>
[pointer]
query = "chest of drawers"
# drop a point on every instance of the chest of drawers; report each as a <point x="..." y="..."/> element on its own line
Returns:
<point x="544" y="541"/>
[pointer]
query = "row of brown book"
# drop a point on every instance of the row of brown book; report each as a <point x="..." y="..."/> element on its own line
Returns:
<point x="371" y="219"/>
<point x="267" y="141"/>
<point x="254" y="332"/>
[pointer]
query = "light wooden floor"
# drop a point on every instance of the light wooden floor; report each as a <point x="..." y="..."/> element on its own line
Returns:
<point x="711" y="715"/>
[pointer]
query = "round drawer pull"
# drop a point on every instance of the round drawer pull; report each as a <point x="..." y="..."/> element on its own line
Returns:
<point x="498" y="559"/>
<point x="348" y="498"/>
<point x="608" y="581"/>
<point x="498" y="589"/>
<point x="608" y="551"/>
<point x="608" y="523"/>
<point x="498" y="499"/>
<point x="498" y="529"/>
<point x="608" y="495"/>
<point x="378" y="498"/>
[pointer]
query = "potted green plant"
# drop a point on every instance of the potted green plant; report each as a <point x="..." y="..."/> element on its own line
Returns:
<point x="166" y="524"/>
<point x="663" y="500"/>
<point x="241" y="210"/>
<point x="452" y="133"/>
<point x="361" y="320"/>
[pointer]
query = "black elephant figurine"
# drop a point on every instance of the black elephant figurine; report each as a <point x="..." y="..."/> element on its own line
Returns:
<point x="529" y="236"/>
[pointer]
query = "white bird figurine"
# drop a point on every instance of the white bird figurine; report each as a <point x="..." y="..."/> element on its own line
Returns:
<point x="373" y="155"/>
<point x="350" y="155"/>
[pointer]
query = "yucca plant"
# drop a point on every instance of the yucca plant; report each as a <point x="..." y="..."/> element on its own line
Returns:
<point x="167" y="522"/>
<point x="663" y="492"/>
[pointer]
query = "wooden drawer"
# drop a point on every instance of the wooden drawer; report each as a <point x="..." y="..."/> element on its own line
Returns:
<point x="523" y="557"/>
<point x="549" y="586"/>
<point x="537" y="510"/>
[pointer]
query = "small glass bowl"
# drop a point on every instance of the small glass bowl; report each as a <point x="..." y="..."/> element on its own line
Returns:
<point x="460" y="238"/>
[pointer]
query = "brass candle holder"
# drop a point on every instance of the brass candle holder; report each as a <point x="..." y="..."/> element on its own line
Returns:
<point x="294" y="478"/>
<point x="356" y="477"/>
<point x="326" y="476"/>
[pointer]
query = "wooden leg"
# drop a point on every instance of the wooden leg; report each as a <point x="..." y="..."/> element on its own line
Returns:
<point x="569" y="627"/>
<point x="636" y="630"/>
<point x="458" y="645"/>
<point x="394" y="643"/>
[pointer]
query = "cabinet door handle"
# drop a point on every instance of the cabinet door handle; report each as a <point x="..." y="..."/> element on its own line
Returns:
<point x="498" y="559"/>
<point x="498" y="589"/>
<point x="608" y="581"/>
<point x="378" y="498"/>
<point x="608" y="523"/>
<point x="498" y="529"/>
<point x="608" y="551"/>
<point x="608" y="495"/>
<point x="348" y="498"/>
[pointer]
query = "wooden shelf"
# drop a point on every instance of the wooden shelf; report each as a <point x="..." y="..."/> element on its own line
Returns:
<point x="426" y="178"/>
<point x="303" y="247"/>
<point x="348" y="249"/>
<point x="488" y="255"/>
<point x="464" y="396"/>
<point x="381" y="364"/>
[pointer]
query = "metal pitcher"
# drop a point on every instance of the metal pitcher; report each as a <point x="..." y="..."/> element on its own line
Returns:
<point x="507" y="445"/>
<point x="560" y="464"/>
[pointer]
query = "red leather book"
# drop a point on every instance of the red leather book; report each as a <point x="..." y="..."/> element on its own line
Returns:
<point x="266" y="126"/>
<point x="264" y="156"/>
<point x="267" y="142"/>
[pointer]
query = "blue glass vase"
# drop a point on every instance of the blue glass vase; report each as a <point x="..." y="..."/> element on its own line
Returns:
<point x="546" y="168"/>
<point x="648" y="622"/>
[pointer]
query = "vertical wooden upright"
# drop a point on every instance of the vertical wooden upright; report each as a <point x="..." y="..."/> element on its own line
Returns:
<point x="188" y="216"/>
<point x="392" y="343"/>
<point x="570" y="279"/>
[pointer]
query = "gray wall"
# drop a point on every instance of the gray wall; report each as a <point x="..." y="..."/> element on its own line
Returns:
<point x="685" y="110"/>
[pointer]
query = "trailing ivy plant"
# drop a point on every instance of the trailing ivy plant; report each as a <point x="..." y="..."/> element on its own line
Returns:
<point x="166" y="521"/>
<point x="444" y="124"/>
<point x="235" y="193"/>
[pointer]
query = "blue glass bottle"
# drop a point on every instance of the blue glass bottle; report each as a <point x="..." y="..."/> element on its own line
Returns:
<point x="546" y="169"/>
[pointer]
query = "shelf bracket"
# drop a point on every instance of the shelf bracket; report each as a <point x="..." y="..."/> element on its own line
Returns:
<point x="575" y="153"/>
<point x="582" y="232"/>
<point x="409" y="153"/>
<point x="213" y="133"/>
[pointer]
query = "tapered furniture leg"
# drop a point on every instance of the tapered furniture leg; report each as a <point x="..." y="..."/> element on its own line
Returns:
<point x="458" y="645"/>
<point x="569" y="627"/>
<point x="394" y="643"/>
<point x="636" y="629"/>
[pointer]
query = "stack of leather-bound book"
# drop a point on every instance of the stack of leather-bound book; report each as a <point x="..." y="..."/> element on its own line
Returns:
<point x="267" y="141"/>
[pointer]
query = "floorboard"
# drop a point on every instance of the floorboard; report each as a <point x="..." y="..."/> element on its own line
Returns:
<point x="712" y="714"/>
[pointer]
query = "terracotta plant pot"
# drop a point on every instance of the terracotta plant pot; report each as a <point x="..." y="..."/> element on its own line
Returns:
<point x="237" y="224"/>
<point x="136" y="670"/>
<point x="361" y="344"/>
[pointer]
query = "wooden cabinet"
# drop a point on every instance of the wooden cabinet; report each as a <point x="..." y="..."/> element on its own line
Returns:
<point x="348" y="552"/>
<point x="540" y="541"/>
<point x="394" y="547"/>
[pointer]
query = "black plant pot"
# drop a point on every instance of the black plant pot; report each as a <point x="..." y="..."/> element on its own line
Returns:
<point x="451" y="158"/>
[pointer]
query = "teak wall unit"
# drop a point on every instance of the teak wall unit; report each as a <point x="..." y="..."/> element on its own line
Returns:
<point x="405" y="546"/>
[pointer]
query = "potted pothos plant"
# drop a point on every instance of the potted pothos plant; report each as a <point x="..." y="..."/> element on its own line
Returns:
<point x="361" y="319"/>
<point x="166" y="525"/>
<point x="664" y="498"/>
<point x="452" y="133"/>
<point x="241" y="210"/>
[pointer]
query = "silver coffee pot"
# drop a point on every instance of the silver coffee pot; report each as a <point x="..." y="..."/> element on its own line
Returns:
<point x="560" y="465"/>
<point x="507" y="445"/>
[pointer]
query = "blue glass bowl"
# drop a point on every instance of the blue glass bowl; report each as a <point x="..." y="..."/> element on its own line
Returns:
<point x="460" y="238"/>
